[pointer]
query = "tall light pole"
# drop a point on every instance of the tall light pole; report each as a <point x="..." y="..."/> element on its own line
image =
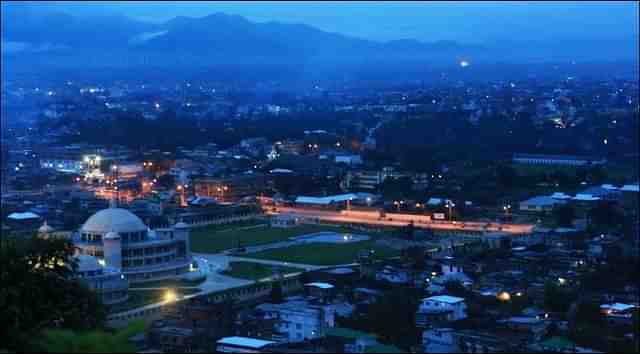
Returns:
<point x="450" y="204"/>
<point x="114" y="168"/>
<point x="507" y="210"/>
<point x="221" y="191"/>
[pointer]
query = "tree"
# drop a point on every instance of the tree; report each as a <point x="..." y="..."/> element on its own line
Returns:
<point x="555" y="300"/>
<point x="98" y="341"/>
<point x="166" y="181"/>
<point x="605" y="214"/>
<point x="416" y="256"/>
<point x="564" y="215"/>
<point x="456" y="288"/>
<point x="396" y="188"/>
<point x="393" y="318"/>
<point x="39" y="292"/>
<point x="276" y="294"/>
<point x="506" y="176"/>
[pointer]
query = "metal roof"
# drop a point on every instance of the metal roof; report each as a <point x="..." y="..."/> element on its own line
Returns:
<point x="446" y="298"/>
<point x="245" y="342"/>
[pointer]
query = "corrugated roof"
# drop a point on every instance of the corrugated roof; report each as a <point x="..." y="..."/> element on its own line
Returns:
<point x="320" y="285"/>
<point x="446" y="298"/>
<point x="245" y="342"/>
<point x="23" y="216"/>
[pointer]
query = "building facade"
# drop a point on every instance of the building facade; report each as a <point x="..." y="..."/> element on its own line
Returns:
<point x="122" y="241"/>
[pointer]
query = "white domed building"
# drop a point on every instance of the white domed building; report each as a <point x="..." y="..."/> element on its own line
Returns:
<point x="108" y="282"/>
<point x="124" y="242"/>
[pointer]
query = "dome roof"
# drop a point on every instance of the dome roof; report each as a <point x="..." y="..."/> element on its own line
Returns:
<point x="45" y="228"/>
<point x="87" y="263"/>
<point x="113" y="219"/>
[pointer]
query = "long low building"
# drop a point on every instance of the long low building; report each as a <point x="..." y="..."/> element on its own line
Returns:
<point x="570" y="160"/>
<point x="360" y="198"/>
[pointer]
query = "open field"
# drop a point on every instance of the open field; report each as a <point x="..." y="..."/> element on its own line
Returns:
<point x="324" y="253"/>
<point x="254" y="271"/>
<point x="217" y="240"/>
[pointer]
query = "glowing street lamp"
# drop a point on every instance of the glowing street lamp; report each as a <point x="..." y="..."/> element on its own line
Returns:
<point x="507" y="210"/>
<point x="504" y="296"/>
<point x="450" y="205"/>
<point x="170" y="296"/>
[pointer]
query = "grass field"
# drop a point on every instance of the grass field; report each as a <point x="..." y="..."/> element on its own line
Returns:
<point x="324" y="253"/>
<point x="212" y="240"/>
<point x="254" y="271"/>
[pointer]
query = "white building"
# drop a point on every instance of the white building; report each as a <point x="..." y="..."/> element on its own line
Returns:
<point x="438" y="340"/>
<point x="108" y="282"/>
<point x="285" y="221"/>
<point x="349" y="159"/>
<point x="299" y="319"/>
<point x="454" y="307"/>
<point x="539" y="159"/>
<point x="120" y="239"/>
<point x="540" y="203"/>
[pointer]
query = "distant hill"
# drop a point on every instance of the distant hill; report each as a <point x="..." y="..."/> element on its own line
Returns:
<point x="119" y="41"/>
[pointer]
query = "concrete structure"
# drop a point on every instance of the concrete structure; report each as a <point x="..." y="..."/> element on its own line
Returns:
<point x="454" y="307"/>
<point x="285" y="221"/>
<point x="438" y="340"/>
<point x="123" y="241"/>
<point x="540" y="203"/>
<point x="108" y="282"/>
<point x="300" y="319"/>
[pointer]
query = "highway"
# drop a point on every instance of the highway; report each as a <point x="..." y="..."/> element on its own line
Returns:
<point x="373" y="218"/>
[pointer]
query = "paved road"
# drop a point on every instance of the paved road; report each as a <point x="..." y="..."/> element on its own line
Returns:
<point x="374" y="219"/>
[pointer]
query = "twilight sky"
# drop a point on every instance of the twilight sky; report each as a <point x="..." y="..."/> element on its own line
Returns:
<point x="466" y="21"/>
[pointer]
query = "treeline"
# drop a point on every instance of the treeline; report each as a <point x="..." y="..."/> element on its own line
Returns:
<point x="451" y="137"/>
<point x="171" y="130"/>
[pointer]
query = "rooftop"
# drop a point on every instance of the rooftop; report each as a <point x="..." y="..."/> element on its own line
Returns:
<point x="445" y="298"/>
<point x="113" y="219"/>
<point x="320" y="285"/>
<point x="23" y="216"/>
<point x="245" y="342"/>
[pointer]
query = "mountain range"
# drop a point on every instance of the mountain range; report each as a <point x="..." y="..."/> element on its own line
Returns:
<point x="119" y="41"/>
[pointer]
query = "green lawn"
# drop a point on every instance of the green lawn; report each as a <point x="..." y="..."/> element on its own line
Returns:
<point x="254" y="271"/>
<point x="211" y="240"/>
<point x="324" y="253"/>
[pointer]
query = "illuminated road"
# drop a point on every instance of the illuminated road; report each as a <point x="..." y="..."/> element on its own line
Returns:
<point x="373" y="218"/>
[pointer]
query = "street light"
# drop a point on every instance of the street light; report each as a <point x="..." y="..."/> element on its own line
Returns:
<point x="507" y="210"/>
<point x="170" y="296"/>
<point x="450" y="205"/>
